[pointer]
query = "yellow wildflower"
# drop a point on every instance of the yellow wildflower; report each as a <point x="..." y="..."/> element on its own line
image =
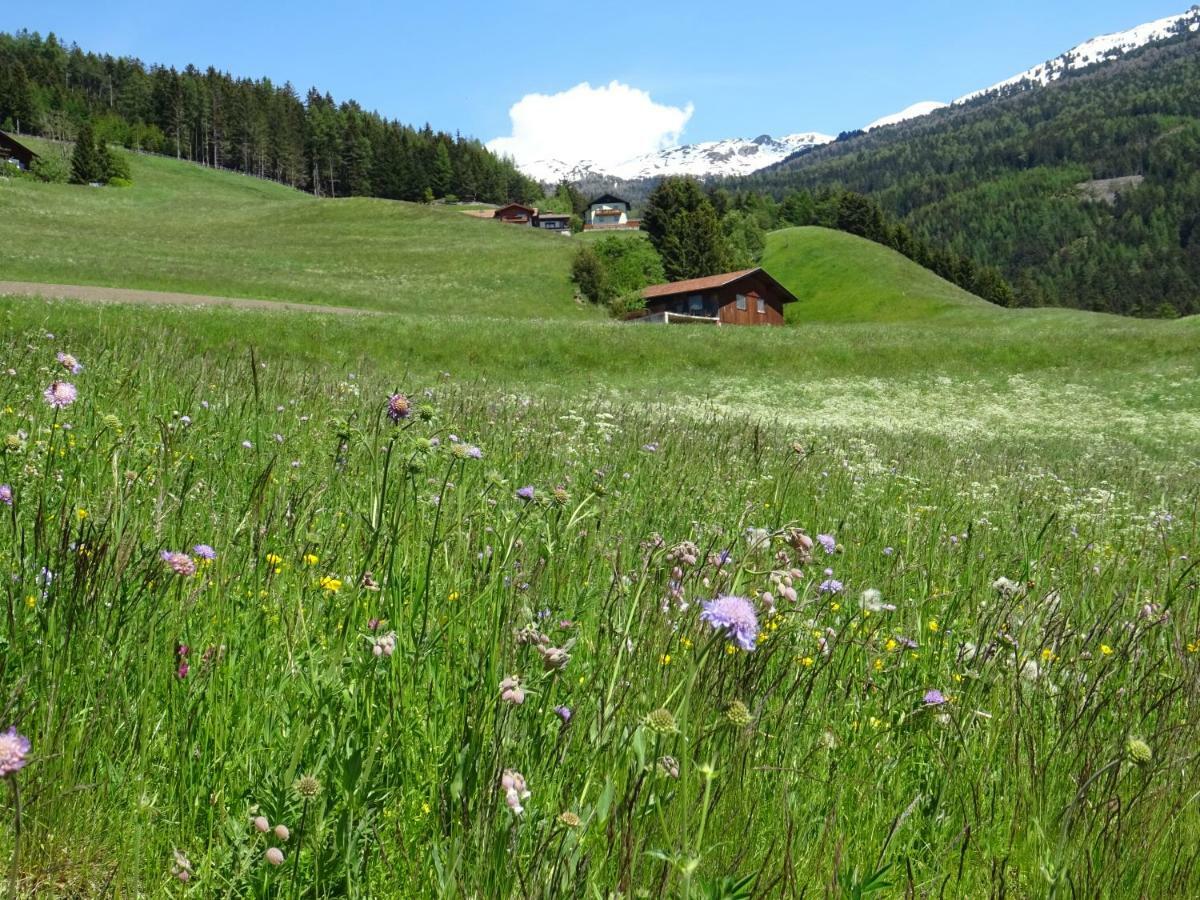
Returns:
<point x="330" y="584"/>
<point x="311" y="559"/>
<point x="1106" y="650"/>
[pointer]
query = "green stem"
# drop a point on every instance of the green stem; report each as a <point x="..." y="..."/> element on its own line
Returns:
<point x="12" y="875"/>
<point x="296" y="858"/>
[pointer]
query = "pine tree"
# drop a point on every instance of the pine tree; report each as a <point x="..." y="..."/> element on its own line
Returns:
<point x="87" y="165"/>
<point x="441" y="172"/>
<point x="683" y="227"/>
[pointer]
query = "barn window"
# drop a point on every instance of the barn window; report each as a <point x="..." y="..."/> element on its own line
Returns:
<point x="762" y="306"/>
<point x="696" y="303"/>
<point x="741" y="301"/>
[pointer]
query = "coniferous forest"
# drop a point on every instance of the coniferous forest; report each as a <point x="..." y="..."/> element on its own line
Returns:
<point x="1084" y="193"/>
<point x="310" y="142"/>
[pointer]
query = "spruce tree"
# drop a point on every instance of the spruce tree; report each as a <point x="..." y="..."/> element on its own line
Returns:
<point x="87" y="165"/>
<point x="683" y="227"/>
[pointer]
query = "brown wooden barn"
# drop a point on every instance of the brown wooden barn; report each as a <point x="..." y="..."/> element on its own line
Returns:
<point x="748" y="297"/>
<point x="15" y="152"/>
<point x="515" y="214"/>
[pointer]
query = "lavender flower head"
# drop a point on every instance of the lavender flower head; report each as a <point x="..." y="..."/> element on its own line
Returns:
<point x="6" y="495"/>
<point x="736" y="617"/>
<point x="934" y="697"/>
<point x="830" y="586"/>
<point x="13" y="749"/>
<point x="828" y="542"/>
<point x="68" y="362"/>
<point x="204" y="551"/>
<point x="398" y="407"/>
<point x="525" y="493"/>
<point x="60" y="394"/>
<point x="179" y="563"/>
<point x="564" y="713"/>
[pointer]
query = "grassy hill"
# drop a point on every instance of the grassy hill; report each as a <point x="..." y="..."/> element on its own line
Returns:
<point x="840" y="277"/>
<point x="183" y="227"/>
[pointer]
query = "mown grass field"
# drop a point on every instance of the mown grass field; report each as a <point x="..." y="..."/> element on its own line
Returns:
<point x="985" y="686"/>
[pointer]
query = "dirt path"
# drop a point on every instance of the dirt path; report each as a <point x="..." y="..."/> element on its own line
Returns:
<point x="125" y="295"/>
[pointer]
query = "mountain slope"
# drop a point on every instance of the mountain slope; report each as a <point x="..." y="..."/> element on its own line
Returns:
<point x="1008" y="180"/>
<point x="839" y="277"/>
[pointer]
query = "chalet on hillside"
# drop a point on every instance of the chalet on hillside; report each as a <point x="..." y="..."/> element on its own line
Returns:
<point x="515" y="214"/>
<point x="748" y="297"/>
<point x="15" y="152"/>
<point x="608" y="211"/>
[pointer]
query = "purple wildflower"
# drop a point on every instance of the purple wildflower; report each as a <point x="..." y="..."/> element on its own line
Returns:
<point x="398" y="407"/>
<point x="6" y="495"/>
<point x="525" y="493"/>
<point x="13" y="749"/>
<point x="888" y="551"/>
<point x="179" y="563"/>
<point x="204" y="551"/>
<point x="934" y="697"/>
<point x="60" y="394"/>
<point x="652" y="447"/>
<point x="830" y="586"/>
<point x="68" y="362"/>
<point x="827" y="542"/>
<point x="474" y="452"/>
<point x="736" y="617"/>
<point x="564" y="713"/>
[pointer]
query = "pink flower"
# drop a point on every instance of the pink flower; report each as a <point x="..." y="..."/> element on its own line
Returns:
<point x="60" y="394"/>
<point x="179" y="563"/>
<point x="274" y="856"/>
<point x="14" y="747"/>
<point x="512" y="783"/>
<point x="511" y="690"/>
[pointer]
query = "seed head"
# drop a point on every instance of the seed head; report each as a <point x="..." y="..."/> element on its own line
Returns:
<point x="569" y="819"/>
<point x="261" y="825"/>
<point x="738" y="714"/>
<point x="307" y="786"/>
<point x="274" y="856"/>
<point x="661" y="721"/>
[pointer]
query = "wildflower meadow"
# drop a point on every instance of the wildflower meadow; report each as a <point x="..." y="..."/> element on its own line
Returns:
<point x="275" y="628"/>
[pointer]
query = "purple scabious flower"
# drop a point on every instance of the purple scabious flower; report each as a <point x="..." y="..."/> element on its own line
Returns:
<point x="564" y="713"/>
<point x="68" y="362"/>
<point x="6" y="495"/>
<point x="830" y="586"/>
<point x="934" y="697"/>
<point x="60" y="394"/>
<point x="474" y="452"/>
<point x="179" y="563"/>
<point x="13" y="749"/>
<point x="827" y="542"/>
<point x="204" y="551"/>
<point x="525" y="493"/>
<point x="888" y="551"/>
<point x="736" y="617"/>
<point x="398" y="407"/>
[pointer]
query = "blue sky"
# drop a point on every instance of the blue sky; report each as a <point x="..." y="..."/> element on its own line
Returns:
<point x="747" y="68"/>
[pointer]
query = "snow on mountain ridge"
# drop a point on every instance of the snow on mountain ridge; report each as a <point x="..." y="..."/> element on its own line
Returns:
<point x="1098" y="49"/>
<point x="924" y="108"/>
<point x="732" y="156"/>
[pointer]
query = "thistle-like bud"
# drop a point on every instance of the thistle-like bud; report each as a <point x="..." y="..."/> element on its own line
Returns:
<point x="738" y="714"/>
<point x="307" y="786"/>
<point x="661" y="721"/>
<point x="1138" y="752"/>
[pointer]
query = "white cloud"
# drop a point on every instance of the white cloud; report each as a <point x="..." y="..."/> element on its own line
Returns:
<point x="605" y="125"/>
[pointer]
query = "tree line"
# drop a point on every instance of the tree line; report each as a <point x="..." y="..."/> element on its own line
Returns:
<point x="253" y="126"/>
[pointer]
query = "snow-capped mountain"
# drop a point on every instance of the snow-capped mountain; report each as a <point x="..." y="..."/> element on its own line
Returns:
<point x="739" y="156"/>
<point x="924" y="108"/>
<point x="734" y="156"/>
<point x="1104" y="48"/>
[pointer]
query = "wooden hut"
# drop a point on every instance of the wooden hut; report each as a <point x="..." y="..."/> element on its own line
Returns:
<point x="13" y="151"/>
<point x="748" y="297"/>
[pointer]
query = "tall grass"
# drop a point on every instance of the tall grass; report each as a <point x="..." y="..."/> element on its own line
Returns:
<point x="375" y="584"/>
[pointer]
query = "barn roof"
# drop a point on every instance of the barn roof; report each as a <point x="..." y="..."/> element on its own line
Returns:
<point x="521" y="206"/>
<point x="712" y="282"/>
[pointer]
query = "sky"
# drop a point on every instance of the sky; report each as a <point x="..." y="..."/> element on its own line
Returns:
<point x="604" y="81"/>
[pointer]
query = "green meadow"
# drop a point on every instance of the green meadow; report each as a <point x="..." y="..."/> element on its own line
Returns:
<point x="443" y="592"/>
